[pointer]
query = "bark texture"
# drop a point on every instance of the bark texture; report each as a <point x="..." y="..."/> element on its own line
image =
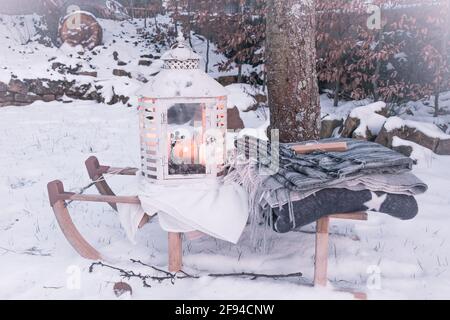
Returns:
<point x="291" y="69"/>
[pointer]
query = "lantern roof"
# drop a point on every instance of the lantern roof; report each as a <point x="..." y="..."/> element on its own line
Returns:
<point x="181" y="76"/>
<point x="180" y="51"/>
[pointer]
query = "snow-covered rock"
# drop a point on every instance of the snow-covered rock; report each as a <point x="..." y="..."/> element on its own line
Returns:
<point x="365" y="122"/>
<point x="422" y="156"/>
<point x="329" y="126"/>
<point x="241" y="96"/>
<point x="234" y="121"/>
<point x="427" y="135"/>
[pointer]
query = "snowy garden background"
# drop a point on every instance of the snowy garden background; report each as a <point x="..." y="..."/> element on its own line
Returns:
<point x="60" y="104"/>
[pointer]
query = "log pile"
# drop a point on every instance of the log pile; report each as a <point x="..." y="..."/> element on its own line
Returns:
<point x="81" y="28"/>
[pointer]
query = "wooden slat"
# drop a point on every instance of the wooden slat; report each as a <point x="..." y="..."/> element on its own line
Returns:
<point x="149" y="152"/>
<point x="123" y="171"/>
<point x="331" y="147"/>
<point x="151" y="160"/>
<point x="99" y="198"/>
<point x="350" y="216"/>
<point x="151" y="146"/>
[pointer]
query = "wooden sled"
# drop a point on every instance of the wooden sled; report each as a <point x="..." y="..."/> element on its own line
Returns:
<point x="58" y="197"/>
<point x="58" y="200"/>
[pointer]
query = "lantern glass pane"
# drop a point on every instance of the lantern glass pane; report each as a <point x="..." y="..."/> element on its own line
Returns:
<point x="186" y="126"/>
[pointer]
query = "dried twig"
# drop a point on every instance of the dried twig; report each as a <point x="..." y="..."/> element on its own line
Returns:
<point x="173" y="275"/>
<point x="127" y="274"/>
<point x="150" y="266"/>
<point x="255" y="276"/>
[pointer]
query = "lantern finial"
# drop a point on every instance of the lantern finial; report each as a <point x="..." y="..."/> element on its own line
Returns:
<point x="180" y="38"/>
<point x="181" y="55"/>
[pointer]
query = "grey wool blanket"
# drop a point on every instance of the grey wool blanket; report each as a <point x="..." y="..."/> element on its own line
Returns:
<point x="303" y="172"/>
<point x="275" y="176"/>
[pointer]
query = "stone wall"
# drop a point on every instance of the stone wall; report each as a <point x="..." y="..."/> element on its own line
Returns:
<point x="23" y="92"/>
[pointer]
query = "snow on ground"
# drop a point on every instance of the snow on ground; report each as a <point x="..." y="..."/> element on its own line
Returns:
<point x="47" y="141"/>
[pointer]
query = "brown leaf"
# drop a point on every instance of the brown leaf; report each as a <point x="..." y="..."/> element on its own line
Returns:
<point x="121" y="288"/>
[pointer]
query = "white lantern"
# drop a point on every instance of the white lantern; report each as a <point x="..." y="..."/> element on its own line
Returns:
<point x="183" y="120"/>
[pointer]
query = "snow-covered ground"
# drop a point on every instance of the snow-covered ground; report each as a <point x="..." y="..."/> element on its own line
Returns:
<point x="47" y="141"/>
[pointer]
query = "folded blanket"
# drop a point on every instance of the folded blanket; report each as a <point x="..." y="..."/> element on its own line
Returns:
<point x="364" y="168"/>
<point x="329" y="201"/>
<point x="403" y="183"/>
<point x="303" y="172"/>
<point x="216" y="208"/>
<point x="212" y="207"/>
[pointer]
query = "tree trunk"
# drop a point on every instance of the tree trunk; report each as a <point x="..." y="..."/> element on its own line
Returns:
<point x="207" y="56"/>
<point x="52" y="13"/>
<point x="444" y="60"/>
<point x="291" y="70"/>
<point x="80" y="28"/>
<point x="436" y="104"/>
<point x="239" y="76"/>
<point x="376" y="74"/>
<point x="189" y="22"/>
<point x="176" y="17"/>
<point x="264" y="85"/>
<point x="132" y="9"/>
<point x="337" y="90"/>
<point x="375" y="80"/>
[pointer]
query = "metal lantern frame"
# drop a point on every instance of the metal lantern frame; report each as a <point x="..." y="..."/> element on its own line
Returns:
<point x="154" y="132"/>
<point x="182" y="85"/>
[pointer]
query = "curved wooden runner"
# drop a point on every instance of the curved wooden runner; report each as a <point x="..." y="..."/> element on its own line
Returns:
<point x="58" y="198"/>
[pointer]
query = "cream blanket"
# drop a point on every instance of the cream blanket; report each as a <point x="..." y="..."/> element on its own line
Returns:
<point x="219" y="209"/>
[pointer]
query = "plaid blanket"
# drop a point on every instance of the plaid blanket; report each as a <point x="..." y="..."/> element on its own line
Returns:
<point x="275" y="176"/>
<point x="303" y="172"/>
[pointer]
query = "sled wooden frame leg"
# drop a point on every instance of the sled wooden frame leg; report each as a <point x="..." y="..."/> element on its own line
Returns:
<point x="321" y="247"/>
<point x="175" y="251"/>
<point x="96" y="174"/>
